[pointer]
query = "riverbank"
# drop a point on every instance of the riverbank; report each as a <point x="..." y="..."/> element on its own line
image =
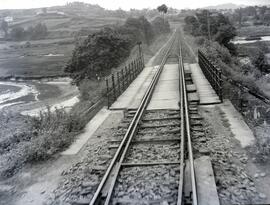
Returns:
<point x="31" y="97"/>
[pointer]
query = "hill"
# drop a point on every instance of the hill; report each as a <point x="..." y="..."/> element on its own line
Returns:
<point x="225" y="6"/>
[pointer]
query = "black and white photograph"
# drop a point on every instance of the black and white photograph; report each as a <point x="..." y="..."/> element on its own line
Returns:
<point x="116" y="102"/>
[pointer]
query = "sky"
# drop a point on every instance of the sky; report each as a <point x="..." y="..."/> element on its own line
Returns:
<point x="126" y="4"/>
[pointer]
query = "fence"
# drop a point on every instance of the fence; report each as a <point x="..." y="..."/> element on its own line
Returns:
<point x="118" y="82"/>
<point x="212" y="73"/>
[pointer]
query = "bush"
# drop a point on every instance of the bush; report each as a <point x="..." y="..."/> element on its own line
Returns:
<point x="49" y="133"/>
<point x="200" y="41"/>
<point x="216" y="52"/>
<point x="262" y="147"/>
<point x="98" y="54"/>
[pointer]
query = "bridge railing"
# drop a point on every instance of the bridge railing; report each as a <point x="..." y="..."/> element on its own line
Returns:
<point x="118" y="82"/>
<point x="212" y="73"/>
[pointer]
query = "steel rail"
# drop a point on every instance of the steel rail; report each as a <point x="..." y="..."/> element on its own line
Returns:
<point x="143" y="105"/>
<point x="123" y="147"/>
<point x="189" y="142"/>
<point x="182" y="135"/>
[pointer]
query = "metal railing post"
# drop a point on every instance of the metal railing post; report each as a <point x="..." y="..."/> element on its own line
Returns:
<point x="220" y="87"/>
<point x="113" y="87"/>
<point x="126" y="77"/>
<point x="212" y="74"/>
<point x="123" y="80"/>
<point x="129" y="73"/>
<point x="118" y="84"/>
<point x="108" y="94"/>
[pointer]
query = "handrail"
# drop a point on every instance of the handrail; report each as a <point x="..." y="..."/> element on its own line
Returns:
<point x="212" y="73"/>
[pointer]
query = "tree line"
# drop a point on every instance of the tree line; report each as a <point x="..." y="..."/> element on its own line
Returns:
<point x="258" y="15"/>
<point x="213" y="26"/>
<point x="107" y="48"/>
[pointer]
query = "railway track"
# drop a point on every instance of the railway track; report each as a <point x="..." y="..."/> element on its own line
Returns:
<point x="152" y="150"/>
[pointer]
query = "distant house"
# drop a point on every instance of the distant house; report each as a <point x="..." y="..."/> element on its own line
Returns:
<point x="8" y="19"/>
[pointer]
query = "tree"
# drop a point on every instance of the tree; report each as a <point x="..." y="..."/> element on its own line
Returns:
<point x="239" y="16"/>
<point x="107" y="48"/>
<point x="225" y="34"/>
<point x="138" y="29"/>
<point x="17" y="33"/>
<point x="215" y="25"/>
<point x="98" y="54"/>
<point x="4" y="27"/>
<point x="147" y="29"/>
<point x="258" y="57"/>
<point x="192" y="25"/>
<point x="162" y="9"/>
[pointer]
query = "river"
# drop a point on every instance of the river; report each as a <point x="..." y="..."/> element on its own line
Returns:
<point x="31" y="97"/>
<point x="241" y="40"/>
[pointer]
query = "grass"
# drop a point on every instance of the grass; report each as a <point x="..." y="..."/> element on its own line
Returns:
<point x="253" y="31"/>
<point x="21" y="61"/>
<point x="36" y="139"/>
<point x="18" y="60"/>
<point x="262" y="146"/>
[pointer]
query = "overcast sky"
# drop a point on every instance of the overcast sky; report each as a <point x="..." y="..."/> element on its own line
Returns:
<point x="126" y="4"/>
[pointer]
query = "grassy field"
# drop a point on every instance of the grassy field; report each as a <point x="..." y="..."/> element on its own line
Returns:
<point x="48" y="57"/>
<point x="253" y="31"/>
<point x="68" y="25"/>
<point x="18" y="60"/>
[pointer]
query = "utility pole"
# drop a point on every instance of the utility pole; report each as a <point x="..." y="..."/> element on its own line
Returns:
<point x="208" y="26"/>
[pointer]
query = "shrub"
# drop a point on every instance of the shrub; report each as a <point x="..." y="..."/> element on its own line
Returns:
<point x="262" y="147"/>
<point x="215" y="51"/>
<point x="99" y="53"/>
<point x="50" y="133"/>
<point x="200" y="41"/>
